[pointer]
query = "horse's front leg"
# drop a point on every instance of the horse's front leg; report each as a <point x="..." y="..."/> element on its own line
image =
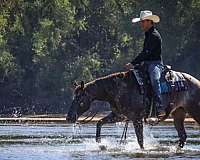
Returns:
<point x="138" y="125"/>
<point x="179" y="117"/>
<point x="110" y="118"/>
<point x="98" y="131"/>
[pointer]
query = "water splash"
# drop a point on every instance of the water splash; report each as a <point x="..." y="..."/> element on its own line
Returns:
<point x="76" y="129"/>
<point x="149" y="141"/>
<point x="112" y="143"/>
<point x="55" y="142"/>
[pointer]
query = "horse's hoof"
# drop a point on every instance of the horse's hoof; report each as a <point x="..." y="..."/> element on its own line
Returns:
<point x="98" y="140"/>
<point x="181" y="144"/>
<point x="102" y="147"/>
<point x="178" y="149"/>
<point x="123" y="142"/>
<point x="142" y="148"/>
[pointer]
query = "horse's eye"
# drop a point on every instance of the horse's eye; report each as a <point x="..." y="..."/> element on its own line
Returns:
<point x="81" y="104"/>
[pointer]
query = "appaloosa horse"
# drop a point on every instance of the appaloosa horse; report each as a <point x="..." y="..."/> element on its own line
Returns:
<point x="121" y="91"/>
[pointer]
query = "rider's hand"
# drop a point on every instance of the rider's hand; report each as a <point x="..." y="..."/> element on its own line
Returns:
<point x="129" y="66"/>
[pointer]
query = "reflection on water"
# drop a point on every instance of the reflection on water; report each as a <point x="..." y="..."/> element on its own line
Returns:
<point x="21" y="142"/>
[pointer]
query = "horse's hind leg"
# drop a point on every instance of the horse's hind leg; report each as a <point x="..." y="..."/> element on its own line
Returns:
<point x="179" y="117"/>
<point x="167" y="113"/>
<point x="138" y="125"/>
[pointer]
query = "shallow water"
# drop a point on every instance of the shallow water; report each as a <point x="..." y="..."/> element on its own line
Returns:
<point x="56" y="141"/>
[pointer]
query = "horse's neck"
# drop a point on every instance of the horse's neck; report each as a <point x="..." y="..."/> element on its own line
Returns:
<point x="103" y="90"/>
<point x="94" y="90"/>
<point x="107" y="89"/>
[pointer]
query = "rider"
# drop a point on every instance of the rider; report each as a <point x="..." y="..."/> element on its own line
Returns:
<point x="151" y="53"/>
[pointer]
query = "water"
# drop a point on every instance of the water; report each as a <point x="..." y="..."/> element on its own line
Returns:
<point x="56" y="141"/>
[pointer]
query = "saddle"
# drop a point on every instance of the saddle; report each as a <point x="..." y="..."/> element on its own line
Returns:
<point x="171" y="82"/>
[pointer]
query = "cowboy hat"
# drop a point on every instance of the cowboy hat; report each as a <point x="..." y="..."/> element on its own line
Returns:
<point x="146" y="15"/>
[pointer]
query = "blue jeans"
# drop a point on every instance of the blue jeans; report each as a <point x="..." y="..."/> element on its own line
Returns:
<point x="154" y="70"/>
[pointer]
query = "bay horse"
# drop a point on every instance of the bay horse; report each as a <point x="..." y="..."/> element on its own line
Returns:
<point x="121" y="91"/>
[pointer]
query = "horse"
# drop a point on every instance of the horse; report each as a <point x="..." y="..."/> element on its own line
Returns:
<point x="121" y="91"/>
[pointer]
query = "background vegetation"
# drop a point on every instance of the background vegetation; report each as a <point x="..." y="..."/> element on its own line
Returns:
<point x="45" y="45"/>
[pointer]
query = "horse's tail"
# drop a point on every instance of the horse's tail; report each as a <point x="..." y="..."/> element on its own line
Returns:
<point x="194" y="112"/>
<point x="193" y="107"/>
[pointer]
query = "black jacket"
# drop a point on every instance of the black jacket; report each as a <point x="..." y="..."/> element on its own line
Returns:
<point x="152" y="47"/>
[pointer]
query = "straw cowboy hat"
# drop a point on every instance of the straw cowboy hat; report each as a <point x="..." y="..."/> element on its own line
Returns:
<point x="146" y="15"/>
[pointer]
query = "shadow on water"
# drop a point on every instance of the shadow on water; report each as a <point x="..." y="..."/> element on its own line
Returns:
<point x="23" y="142"/>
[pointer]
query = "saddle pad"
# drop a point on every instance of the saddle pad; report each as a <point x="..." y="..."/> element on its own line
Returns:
<point x="173" y="81"/>
<point x="170" y="81"/>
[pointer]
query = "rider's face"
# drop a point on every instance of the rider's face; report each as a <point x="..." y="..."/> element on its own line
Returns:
<point x="145" y="25"/>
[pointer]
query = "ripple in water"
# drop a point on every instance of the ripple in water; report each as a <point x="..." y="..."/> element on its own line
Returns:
<point x="78" y="142"/>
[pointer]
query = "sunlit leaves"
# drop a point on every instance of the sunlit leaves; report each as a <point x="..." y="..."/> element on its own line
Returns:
<point x="196" y="4"/>
<point x="55" y="42"/>
<point x="3" y="22"/>
<point x="7" y="65"/>
<point x="84" y="68"/>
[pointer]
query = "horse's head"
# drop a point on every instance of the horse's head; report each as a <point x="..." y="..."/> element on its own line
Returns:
<point x="81" y="103"/>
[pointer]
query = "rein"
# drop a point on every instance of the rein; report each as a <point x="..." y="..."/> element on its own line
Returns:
<point x="123" y="137"/>
<point x="86" y="120"/>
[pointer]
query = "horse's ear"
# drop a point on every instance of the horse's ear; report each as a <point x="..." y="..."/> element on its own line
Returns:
<point x="75" y="84"/>
<point x="121" y="75"/>
<point x="82" y="84"/>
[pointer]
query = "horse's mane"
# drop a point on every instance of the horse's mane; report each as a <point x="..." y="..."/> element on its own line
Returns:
<point x="107" y="77"/>
<point x="103" y="79"/>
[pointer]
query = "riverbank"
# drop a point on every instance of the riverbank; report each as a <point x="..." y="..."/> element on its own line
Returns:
<point x="61" y="118"/>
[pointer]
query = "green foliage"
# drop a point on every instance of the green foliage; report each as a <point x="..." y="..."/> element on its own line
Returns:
<point x="7" y="66"/>
<point x="46" y="45"/>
